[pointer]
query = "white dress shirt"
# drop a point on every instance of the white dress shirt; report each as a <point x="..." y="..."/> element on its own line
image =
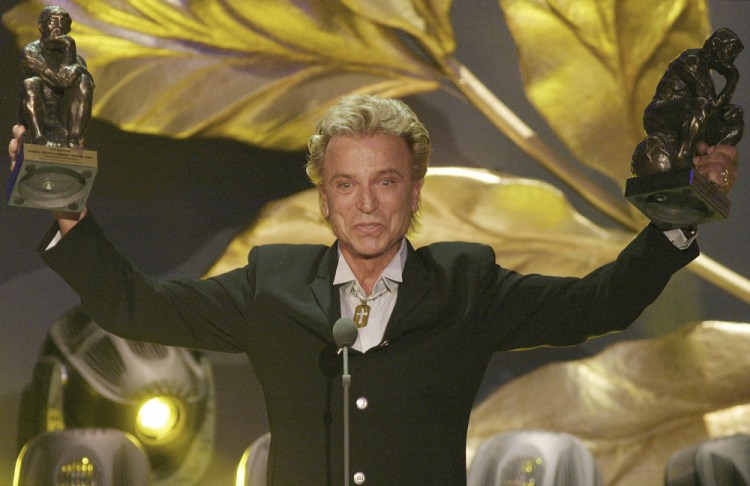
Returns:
<point x="382" y="300"/>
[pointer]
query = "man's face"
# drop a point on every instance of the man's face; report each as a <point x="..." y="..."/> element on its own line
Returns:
<point x="726" y="51"/>
<point x="54" y="25"/>
<point x="369" y="194"/>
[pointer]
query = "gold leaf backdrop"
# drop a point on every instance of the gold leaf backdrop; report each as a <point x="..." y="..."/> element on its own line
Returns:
<point x="590" y="67"/>
<point x="261" y="72"/>
<point x="529" y="223"/>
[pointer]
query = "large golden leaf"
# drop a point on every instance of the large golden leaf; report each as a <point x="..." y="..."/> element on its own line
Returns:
<point x="634" y="404"/>
<point x="590" y="67"/>
<point x="261" y="71"/>
<point x="529" y="223"/>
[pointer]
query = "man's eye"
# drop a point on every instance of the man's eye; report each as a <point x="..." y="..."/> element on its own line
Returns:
<point x="345" y="185"/>
<point x="386" y="182"/>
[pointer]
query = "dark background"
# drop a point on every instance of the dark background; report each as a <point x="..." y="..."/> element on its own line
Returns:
<point x="173" y="205"/>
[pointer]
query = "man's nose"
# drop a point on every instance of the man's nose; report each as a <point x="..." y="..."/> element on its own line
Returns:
<point x="367" y="200"/>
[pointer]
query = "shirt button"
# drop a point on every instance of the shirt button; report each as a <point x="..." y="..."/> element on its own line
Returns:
<point x="359" y="478"/>
<point x="361" y="403"/>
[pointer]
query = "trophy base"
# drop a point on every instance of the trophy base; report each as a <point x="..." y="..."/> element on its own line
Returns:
<point x="677" y="199"/>
<point x="55" y="178"/>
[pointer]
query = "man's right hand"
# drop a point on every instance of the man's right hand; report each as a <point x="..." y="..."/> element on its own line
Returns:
<point x="18" y="131"/>
<point x="65" y="219"/>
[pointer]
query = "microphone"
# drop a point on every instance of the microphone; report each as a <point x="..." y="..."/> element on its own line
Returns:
<point x="345" y="334"/>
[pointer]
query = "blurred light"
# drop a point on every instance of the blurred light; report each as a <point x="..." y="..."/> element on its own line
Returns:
<point x="162" y="396"/>
<point x="82" y="457"/>
<point x="252" y="468"/>
<point x="533" y="458"/>
<point x="159" y="419"/>
<point x="714" y="462"/>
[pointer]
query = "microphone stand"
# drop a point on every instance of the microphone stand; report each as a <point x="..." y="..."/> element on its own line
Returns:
<point x="344" y="334"/>
<point x="346" y="380"/>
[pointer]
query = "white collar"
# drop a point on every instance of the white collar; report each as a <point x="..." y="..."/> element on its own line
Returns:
<point x="393" y="271"/>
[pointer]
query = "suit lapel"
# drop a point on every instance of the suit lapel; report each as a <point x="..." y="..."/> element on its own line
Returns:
<point x="325" y="294"/>
<point x="417" y="281"/>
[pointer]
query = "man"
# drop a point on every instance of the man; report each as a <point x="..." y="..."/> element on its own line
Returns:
<point x="434" y="317"/>
<point x="57" y="87"/>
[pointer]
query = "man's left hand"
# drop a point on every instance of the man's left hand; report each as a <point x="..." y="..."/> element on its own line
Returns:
<point x="719" y="164"/>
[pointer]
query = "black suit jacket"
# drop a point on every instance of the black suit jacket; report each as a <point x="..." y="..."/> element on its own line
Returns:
<point x="455" y="307"/>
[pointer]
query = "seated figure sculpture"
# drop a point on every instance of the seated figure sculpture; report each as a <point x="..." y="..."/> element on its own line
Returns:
<point x="57" y="87"/>
<point x="686" y="108"/>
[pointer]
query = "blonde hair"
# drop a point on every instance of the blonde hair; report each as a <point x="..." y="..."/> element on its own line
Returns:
<point x="368" y="115"/>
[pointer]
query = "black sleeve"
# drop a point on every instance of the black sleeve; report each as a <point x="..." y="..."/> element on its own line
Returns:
<point x="204" y="314"/>
<point x="533" y="310"/>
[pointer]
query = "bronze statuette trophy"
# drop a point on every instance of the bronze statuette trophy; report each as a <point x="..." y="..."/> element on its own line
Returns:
<point x="53" y="171"/>
<point x="686" y="110"/>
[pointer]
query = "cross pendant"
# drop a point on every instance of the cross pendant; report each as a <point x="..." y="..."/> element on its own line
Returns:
<point x="361" y="315"/>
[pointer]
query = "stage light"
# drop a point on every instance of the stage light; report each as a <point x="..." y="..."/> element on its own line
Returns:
<point x="534" y="458"/>
<point x="715" y="462"/>
<point x="159" y="419"/>
<point x="82" y="457"/>
<point x="163" y="396"/>
<point x="253" y="465"/>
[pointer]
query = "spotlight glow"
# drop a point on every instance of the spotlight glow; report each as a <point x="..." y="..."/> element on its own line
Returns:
<point x="159" y="419"/>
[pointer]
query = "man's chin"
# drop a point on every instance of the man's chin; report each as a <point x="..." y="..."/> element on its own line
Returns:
<point x="366" y="254"/>
<point x="372" y="252"/>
